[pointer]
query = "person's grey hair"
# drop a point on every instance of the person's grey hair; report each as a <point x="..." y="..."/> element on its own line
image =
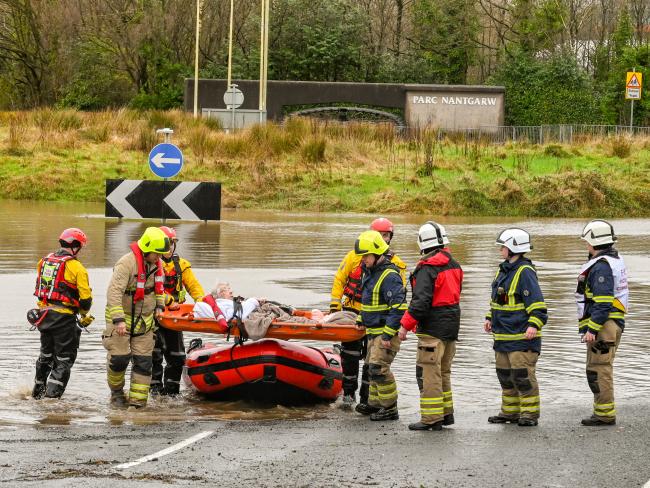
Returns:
<point x="219" y="288"/>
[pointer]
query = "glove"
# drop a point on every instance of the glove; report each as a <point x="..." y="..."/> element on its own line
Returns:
<point x="86" y="320"/>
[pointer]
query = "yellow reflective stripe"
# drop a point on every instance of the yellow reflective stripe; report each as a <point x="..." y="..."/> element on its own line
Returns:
<point x="374" y="330"/>
<point x="488" y="315"/>
<point x="593" y="325"/>
<point x="447" y="394"/>
<point x="529" y="408"/>
<point x="515" y="282"/>
<point x="430" y="401"/>
<point x="529" y="400"/>
<point x="536" y="306"/>
<point x="604" y="405"/>
<point x="510" y="408"/>
<point x="432" y="411"/>
<point x="377" y="287"/>
<point x="510" y="399"/>
<point x="616" y="315"/>
<point x="400" y="306"/>
<point x="536" y="322"/>
<point x="388" y="387"/>
<point x="388" y="331"/>
<point x="507" y="308"/>
<point x="603" y="299"/>
<point x="513" y="337"/>
<point x="374" y="308"/>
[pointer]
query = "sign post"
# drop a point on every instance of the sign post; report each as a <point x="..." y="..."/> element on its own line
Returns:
<point x="233" y="98"/>
<point x="165" y="160"/>
<point x="633" y="86"/>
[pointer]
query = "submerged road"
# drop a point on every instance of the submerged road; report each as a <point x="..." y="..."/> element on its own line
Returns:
<point x="340" y="449"/>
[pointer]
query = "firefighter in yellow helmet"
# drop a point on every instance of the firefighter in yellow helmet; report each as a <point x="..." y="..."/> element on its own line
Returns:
<point x="346" y="294"/>
<point x="179" y="281"/>
<point x="135" y="295"/>
<point x="383" y="302"/>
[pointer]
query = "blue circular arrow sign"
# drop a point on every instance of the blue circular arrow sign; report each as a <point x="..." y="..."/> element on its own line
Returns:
<point x="166" y="160"/>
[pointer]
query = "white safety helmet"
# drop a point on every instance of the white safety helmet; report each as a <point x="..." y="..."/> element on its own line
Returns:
<point x="517" y="240"/>
<point x="599" y="233"/>
<point x="432" y="235"/>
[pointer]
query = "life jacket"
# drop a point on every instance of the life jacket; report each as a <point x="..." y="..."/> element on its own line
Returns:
<point x="352" y="288"/>
<point x="141" y="277"/>
<point x="174" y="280"/>
<point x="51" y="286"/>
<point x="621" y="290"/>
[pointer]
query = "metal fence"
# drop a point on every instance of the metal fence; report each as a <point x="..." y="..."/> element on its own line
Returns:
<point x="543" y="134"/>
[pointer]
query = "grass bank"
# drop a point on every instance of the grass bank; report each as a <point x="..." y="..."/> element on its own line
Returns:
<point x="308" y="165"/>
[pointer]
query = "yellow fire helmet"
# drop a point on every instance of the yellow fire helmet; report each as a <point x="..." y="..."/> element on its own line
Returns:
<point x="154" y="240"/>
<point x="370" y="242"/>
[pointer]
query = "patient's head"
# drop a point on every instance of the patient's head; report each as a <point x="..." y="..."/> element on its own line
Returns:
<point x="222" y="290"/>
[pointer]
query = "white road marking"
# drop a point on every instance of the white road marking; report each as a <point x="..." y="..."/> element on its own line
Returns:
<point x="164" y="452"/>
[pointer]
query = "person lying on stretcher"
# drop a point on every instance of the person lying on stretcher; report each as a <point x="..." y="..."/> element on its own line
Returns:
<point x="220" y="304"/>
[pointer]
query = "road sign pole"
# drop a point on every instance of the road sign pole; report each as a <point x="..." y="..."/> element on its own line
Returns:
<point x="631" y="114"/>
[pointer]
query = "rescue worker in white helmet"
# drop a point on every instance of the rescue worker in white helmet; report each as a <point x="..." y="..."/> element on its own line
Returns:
<point x="602" y="299"/>
<point x="169" y="346"/>
<point x="383" y="302"/>
<point x="63" y="292"/>
<point x="436" y="284"/>
<point x="516" y="317"/>
<point x="135" y="295"/>
<point x="346" y="294"/>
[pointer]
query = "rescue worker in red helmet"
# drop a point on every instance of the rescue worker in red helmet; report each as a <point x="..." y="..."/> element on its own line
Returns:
<point x="63" y="292"/>
<point x="135" y="296"/>
<point x="346" y="295"/>
<point x="179" y="280"/>
<point x="436" y="284"/>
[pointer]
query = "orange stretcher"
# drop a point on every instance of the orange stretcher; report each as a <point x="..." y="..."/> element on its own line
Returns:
<point x="183" y="320"/>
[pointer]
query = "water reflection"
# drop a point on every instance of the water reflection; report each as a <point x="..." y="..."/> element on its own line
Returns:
<point x="291" y="257"/>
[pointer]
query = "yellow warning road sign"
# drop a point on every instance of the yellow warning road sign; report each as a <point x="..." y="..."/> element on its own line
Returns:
<point x="633" y="84"/>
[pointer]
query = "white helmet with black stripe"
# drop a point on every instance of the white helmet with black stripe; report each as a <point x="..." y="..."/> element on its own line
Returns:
<point x="432" y="235"/>
<point x="599" y="233"/>
<point x="517" y="240"/>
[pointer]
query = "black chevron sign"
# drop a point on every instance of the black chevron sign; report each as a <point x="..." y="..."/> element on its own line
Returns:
<point x="148" y="199"/>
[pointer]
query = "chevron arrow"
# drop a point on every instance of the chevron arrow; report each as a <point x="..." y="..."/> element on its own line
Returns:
<point x="117" y="198"/>
<point x="175" y="200"/>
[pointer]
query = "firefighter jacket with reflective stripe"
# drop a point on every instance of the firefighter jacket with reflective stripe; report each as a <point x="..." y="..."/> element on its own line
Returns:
<point x="516" y="304"/>
<point x="345" y="280"/>
<point x="179" y="279"/>
<point x="436" y="284"/>
<point x="62" y="284"/>
<point x="120" y="299"/>
<point x="602" y="292"/>
<point x="383" y="299"/>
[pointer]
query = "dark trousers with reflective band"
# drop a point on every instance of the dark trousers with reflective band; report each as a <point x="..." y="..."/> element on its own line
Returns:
<point x="59" y="344"/>
<point x="383" y="387"/>
<point x="351" y="355"/>
<point x="123" y="350"/>
<point x="169" y="347"/>
<point x="433" y="373"/>
<point x="600" y="370"/>
<point x="516" y="373"/>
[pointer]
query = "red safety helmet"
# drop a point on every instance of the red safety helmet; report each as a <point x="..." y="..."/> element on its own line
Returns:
<point x="169" y="232"/>
<point x="69" y="236"/>
<point x="382" y="225"/>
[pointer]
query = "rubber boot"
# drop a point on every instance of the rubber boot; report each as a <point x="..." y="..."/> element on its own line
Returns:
<point x="38" y="391"/>
<point x="156" y="389"/>
<point x="53" y="390"/>
<point x="365" y="409"/>
<point x="347" y="402"/>
<point x="526" y="422"/>
<point x="500" y="419"/>
<point x="118" y="400"/>
<point x="448" y="420"/>
<point x="594" y="421"/>
<point x="385" y="414"/>
<point x="423" y="426"/>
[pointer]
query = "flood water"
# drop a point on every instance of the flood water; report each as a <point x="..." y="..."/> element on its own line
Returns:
<point x="291" y="257"/>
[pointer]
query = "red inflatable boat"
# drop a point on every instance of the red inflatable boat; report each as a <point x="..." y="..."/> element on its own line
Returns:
<point x="269" y="370"/>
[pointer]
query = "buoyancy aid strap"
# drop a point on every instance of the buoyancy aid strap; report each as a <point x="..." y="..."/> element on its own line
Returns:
<point x="179" y="271"/>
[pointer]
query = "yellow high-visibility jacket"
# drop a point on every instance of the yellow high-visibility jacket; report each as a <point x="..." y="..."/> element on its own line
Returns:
<point x="188" y="282"/>
<point x="350" y="262"/>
